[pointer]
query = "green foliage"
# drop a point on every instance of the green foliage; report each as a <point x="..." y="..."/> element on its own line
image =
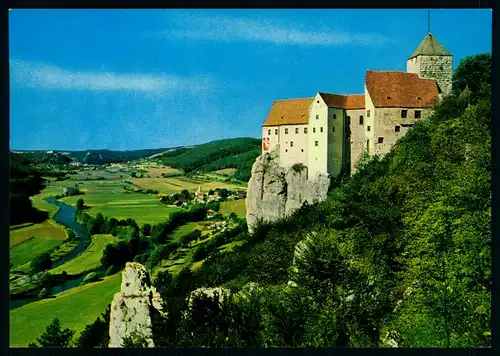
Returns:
<point x="97" y="333"/>
<point x="54" y="336"/>
<point x="41" y="263"/>
<point x="298" y="167"/>
<point x="474" y="73"/>
<point x="146" y="229"/>
<point x="135" y="340"/>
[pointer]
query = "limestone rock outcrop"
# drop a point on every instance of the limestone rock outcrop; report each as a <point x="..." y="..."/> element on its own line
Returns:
<point x="275" y="192"/>
<point x="135" y="307"/>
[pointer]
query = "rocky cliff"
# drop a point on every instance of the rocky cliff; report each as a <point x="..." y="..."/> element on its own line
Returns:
<point x="275" y="192"/>
<point x="135" y="307"/>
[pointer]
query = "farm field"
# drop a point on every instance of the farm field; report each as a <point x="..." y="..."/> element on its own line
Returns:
<point x="28" y="242"/>
<point x="234" y="206"/>
<point x="75" y="308"/>
<point x="110" y="199"/>
<point x="89" y="259"/>
<point x="225" y="172"/>
<point x="172" y="185"/>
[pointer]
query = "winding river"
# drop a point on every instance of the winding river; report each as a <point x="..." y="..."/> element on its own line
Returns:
<point x="65" y="216"/>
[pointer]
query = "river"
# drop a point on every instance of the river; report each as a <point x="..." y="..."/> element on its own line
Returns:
<point x="65" y="216"/>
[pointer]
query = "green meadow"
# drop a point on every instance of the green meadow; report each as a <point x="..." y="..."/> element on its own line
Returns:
<point x="110" y="199"/>
<point x="28" y="242"/>
<point x="234" y="206"/>
<point x="90" y="259"/>
<point x="75" y="308"/>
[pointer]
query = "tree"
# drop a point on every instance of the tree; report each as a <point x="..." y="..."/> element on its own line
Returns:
<point x="223" y="193"/>
<point x="80" y="205"/>
<point x="54" y="336"/>
<point x="146" y="229"/>
<point x="185" y="194"/>
<point x="71" y="235"/>
<point x="97" y="333"/>
<point x="474" y="73"/>
<point x="41" y="263"/>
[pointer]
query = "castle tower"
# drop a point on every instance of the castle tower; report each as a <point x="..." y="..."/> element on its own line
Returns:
<point x="431" y="60"/>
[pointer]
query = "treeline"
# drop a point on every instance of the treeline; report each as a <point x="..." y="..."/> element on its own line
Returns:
<point x="135" y="244"/>
<point x="239" y="153"/>
<point x="24" y="182"/>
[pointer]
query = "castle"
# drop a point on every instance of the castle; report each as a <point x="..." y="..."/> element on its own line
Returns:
<point x="328" y="131"/>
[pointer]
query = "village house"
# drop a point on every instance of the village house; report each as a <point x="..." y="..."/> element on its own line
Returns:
<point x="329" y="132"/>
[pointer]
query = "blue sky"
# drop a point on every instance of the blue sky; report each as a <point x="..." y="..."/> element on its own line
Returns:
<point x="132" y="79"/>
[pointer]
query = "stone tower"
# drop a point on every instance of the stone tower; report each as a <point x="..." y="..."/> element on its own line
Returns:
<point x="432" y="60"/>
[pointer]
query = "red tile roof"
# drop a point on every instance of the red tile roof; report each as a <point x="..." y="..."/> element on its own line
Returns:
<point x="400" y="89"/>
<point x="289" y="112"/>
<point x="348" y="102"/>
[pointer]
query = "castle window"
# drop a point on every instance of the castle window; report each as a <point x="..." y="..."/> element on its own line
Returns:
<point x="286" y="131"/>
<point x="296" y="130"/>
<point x="368" y="128"/>
<point x="275" y="131"/>
<point x="321" y="129"/>
<point x="417" y="114"/>
<point x="269" y="131"/>
<point x="317" y="101"/>
<point x="389" y="98"/>
<point x="286" y="150"/>
<point x="333" y="128"/>
<point x="361" y="120"/>
<point x="291" y="143"/>
<point x="334" y="116"/>
<point x="317" y="117"/>
<point x="315" y="143"/>
<point x="380" y="140"/>
<point x="404" y="114"/>
<point x="367" y="146"/>
<point x="301" y="150"/>
<point x="367" y="113"/>
<point x="397" y="128"/>
<point x="314" y="129"/>
<point x="305" y="130"/>
<point x="419" y="98"/>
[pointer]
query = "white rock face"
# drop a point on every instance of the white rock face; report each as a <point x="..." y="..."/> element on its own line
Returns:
<point x="133" y="307"/>
<point x="275" y="192"/>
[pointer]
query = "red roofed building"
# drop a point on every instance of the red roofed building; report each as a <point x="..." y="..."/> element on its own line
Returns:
<point x="329" y="131"/>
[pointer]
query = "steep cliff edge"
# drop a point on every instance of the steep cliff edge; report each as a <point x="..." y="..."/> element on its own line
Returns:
<point x="135" y="308"/>
<point x="275" y="192"/>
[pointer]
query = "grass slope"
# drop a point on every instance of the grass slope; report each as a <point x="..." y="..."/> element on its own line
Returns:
<point x="234" y="206"/>
<point x="29" y="242"/>
<point x="75" y="308"/>
<point x="89" y="259"/>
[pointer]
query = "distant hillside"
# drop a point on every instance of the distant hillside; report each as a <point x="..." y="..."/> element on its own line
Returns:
<point x="88" y="156"/>
<point x="46" y="157"/>
<point x="239" y="153"/>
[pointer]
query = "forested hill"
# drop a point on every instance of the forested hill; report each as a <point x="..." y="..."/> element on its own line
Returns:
<point x="399" y="255"/>
<point x="239" y="153"/>
<point x="88" y="156"/>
